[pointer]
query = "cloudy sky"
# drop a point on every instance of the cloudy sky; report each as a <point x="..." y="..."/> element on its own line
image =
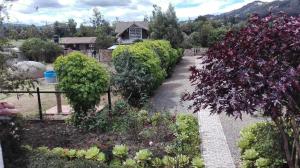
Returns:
<point x="41" y="12"/>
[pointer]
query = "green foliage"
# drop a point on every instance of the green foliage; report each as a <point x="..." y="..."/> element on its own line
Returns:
<point x="187" y="135"/>
<point x="104" y="40"/>
<point x="120" y="107"/>
<point x="157" y="163"/>
<point x="138" y="72"/>
<point x="115" y="163"/>
<point x="262" y="163"/>
<point x="43" y="149"/>
<point x="261" y="147"/>
<point x="58" y="151"/>
<point x="10" y="136"/>
<point x="80" y="153"/>
<point x="36" y="49"/>
<point x="164" y="25"/>
<point x="71" y="153"/>
<point x="84" y="80"/>
<point x="143" y="155"/>
<point x="92" y="153"/>
<point x="50" y="160"/>
<point x="169" y="161"/>
<point x="120" y="151"/>
<point x="130" y="163"/>
<point x="182" y="160"/>
<point x="250" y="154"/>
<point x="216" y="35"/>
<point x="142" y="67"/>
<point x="197" y="162"/>
<point x="100" y="157"/>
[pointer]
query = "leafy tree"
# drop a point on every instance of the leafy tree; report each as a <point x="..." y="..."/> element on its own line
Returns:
<point x="60" y="29"/>
<point x="36" y="49"/>
<point x="204" y="34"/>
<point x="255" y="68"/>
<point x="84" y="80"/>
<point x="47" y="32"/>
<point x="165" y="26"/>
<point x="104" y="41"/>
<point x="97" y="18"/>
<point x="72" y="27"/>
<point x="86" y="31"/>
<point x="216" y="35"/>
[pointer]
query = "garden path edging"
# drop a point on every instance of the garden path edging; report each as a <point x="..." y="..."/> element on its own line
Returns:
<point x="214" y="147"/>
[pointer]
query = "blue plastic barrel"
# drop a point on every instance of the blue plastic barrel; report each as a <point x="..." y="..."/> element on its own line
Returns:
<point x="50" y="76"/>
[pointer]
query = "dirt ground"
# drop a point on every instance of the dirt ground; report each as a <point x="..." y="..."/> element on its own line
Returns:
<point x="58" y="134"/>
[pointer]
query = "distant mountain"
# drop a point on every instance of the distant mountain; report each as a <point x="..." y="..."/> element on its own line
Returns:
<point x="291" y="7"/>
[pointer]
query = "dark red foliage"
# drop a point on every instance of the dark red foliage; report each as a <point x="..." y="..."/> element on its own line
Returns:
<point x="256" y="68"/>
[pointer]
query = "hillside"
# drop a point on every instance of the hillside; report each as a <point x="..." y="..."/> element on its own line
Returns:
<point x="291" y="7"/>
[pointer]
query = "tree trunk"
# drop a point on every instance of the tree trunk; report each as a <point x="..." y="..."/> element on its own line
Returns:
<point x="296" y="136"/>
<point x="285" y="144"/>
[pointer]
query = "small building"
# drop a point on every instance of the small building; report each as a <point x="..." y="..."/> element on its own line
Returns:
<point x="78" y="43"/>
<point x="128" y="32"/>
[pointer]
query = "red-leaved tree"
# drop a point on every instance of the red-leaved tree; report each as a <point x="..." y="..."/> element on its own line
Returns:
<point x="255" y="68"/>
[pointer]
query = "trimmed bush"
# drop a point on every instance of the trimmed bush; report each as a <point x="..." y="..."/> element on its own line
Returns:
<point x="142" y="67"/>
<point x="84" y="80"/>
<point x="261" y="146"/>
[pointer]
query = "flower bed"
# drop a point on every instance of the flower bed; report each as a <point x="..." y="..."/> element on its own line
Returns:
<point x="157" y="140"/>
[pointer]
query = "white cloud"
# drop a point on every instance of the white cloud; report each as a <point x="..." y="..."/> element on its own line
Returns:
<point x="42" y="11"/>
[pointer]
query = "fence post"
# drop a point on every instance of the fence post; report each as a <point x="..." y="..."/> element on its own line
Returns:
<point x="39" y="103"/>
<point x="58" y="100"/>
<point x="109" y="103"/>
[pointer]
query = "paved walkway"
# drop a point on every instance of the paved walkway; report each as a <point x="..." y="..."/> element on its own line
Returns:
<point x="214" y="146"/>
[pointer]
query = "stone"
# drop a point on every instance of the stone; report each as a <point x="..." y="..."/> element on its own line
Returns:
<point x="29" y="70"/>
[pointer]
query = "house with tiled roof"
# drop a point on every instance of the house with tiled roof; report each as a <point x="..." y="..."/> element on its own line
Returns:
<point x="128" y="32"/>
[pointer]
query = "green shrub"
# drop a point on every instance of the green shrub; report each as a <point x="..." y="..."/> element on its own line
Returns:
<point x="92" y="153"/>
<point x="143" y="155"/>
<point x="36" y="49"/>
<point x="187" y="135"/>
<point x="10" y="137"/>
<point x="130" y="163"/>
<point x="84" y="80"/>
<point x="142" y="67"/>
<point x="169" y="161"/>
<point x="262" y="163"/>
<point x="50" y="160"/>
<point x="138" y="72"/>
<point x="115" y="163"/>
<point x="250" y="154"/>
<point x="197" y="162"/>
<point x="164" y="51"/>
<point x="261" y="147"/>
<point x="182" y="160"/>
<point x="120" y="151"/>
<point x="157" y="163"/>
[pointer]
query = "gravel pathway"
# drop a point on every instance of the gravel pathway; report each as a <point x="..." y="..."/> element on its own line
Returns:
<point x="167" y="96"/>
<point x="232" y="128"/>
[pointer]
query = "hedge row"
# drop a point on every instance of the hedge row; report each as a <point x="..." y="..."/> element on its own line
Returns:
<point x="142" y="67"/>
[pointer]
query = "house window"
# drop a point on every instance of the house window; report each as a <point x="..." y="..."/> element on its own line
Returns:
<point x="135" y="33"/>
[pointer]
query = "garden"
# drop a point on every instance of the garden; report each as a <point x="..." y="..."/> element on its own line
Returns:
<point x="126" y="135"/>
<point x="255" y="71"/>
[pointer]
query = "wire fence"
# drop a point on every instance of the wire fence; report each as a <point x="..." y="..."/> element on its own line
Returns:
<point x="58" y="96"/>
